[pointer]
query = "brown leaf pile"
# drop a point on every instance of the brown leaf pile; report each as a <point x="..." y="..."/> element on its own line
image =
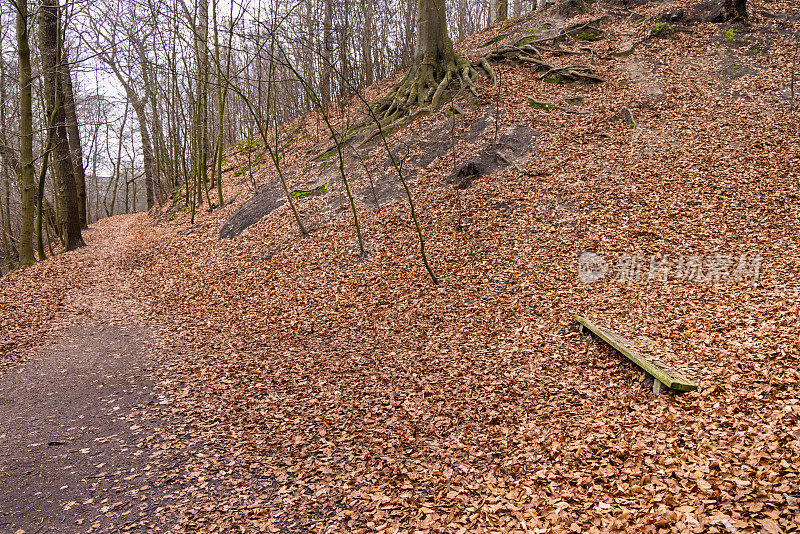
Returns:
<point x="334" y="393"/>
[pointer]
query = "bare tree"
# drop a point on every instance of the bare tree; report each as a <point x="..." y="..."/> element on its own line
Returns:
<point x="129" y="66"/>
<point x="26" y="171"/>
<point x="436" y="64"/>
<point x="161" y="60"/>
<point x="74" y="135"/>
<point x="8" y="166"/>
<point x="50" y="45"/>
<point x="327" y="49"/>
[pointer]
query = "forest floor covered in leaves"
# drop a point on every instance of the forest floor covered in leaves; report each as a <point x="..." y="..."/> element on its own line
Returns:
<point x="318" y="390"/>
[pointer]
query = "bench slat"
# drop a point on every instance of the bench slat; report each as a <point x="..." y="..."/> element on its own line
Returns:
<point x="669" y="377"/>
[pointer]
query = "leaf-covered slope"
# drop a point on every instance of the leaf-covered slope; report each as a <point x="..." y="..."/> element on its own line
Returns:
<point x="330" y="392"/>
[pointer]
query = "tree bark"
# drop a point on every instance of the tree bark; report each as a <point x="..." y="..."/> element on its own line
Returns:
<point x="50" y="47"/>
<point x="327" y="48"/>
<point x="737" y="9"/>
<point x="498" y="10"/>
<point x="367" y="42"/>
<point x="433" y="42"/>
<point x="28" y="190"/>
<point x="74" y="135"/>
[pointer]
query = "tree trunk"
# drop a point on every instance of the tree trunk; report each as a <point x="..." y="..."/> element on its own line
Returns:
<point x="436" y="64"/>
<point x="6" y="257"/>
<point x="149" y="158"/>
<point x="152" y="160"/>
<point x="139" y="105"/>
<point x="737" y="9"/>
<point x="344" y="53"/>
<point x="28" y="190"/>
<point x="158" y="143"/>
<point x="367" y="43"/>
<point x="50" y="47"/>
<point x="74" y="140"/>
<point x="498" y="10"/>
<point x="433" y="43"/>
<point x="222" y="97"/>
<point x="327" y="48"/>
<point x="199" y="24"/>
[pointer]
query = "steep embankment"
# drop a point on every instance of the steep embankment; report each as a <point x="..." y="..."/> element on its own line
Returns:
<point x="332" y="392"/>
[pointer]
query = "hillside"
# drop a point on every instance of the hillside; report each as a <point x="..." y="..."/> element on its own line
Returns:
<point x="308" y="388"/>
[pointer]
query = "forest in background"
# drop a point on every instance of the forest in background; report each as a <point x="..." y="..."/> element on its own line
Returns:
<point x="152" y="88"/>
<point x="259" y="368"/>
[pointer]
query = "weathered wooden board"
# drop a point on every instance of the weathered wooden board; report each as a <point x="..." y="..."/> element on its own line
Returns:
<point x="661" y="374"/>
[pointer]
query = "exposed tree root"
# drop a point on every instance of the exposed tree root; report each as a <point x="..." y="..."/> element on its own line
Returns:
<point x="427" y="81"/>
<point x="483" y="63"/>
<point x="568" y="33"/>
<point x="529" y="54"/>
<point x="420" y="91"/>
<point x="424" y="85"/>
<point x="543" y="104"/>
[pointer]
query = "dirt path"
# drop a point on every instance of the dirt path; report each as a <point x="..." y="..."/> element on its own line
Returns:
<point x="80" y="422"/>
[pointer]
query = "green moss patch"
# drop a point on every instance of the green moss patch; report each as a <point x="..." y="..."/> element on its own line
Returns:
<point x="662" y="29"/>
<point x="299" y="193"/>
<point x="555" y="78"/>
<point x="589" y="36"/>
<point x="494" y="40"/>
<point x="249" y="146"/>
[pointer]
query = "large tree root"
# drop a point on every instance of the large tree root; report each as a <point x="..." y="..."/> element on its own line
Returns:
<point x="422" y="90"/>
<point x="543" y="104"/>
<point x="530" y="55"/>
<point x="570" y="33"/>
<point x="423" y="86"/>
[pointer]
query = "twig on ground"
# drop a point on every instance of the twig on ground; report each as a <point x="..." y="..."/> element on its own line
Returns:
<point x="507" y="161"/>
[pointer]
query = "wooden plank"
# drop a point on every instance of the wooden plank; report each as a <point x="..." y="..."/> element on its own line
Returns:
<point x="667" y="377"/>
